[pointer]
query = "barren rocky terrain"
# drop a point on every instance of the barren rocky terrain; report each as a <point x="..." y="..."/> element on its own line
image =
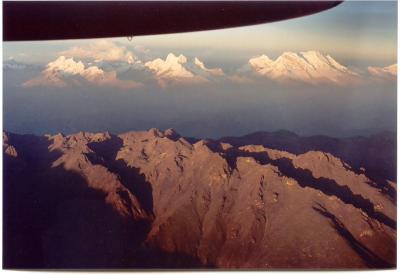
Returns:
<point x="156" y="199"/>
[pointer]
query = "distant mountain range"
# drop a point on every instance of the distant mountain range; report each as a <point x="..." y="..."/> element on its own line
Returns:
<point x="156" y="199"/>
<point x="374" y="155"/>
<point x="66" y="71"/>
<point x="311" y="67"/>
<point x="12" y="64"/>
<point x="385" y="72"/>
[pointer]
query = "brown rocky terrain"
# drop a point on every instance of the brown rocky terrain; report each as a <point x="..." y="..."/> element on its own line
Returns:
<point x="374" y="156"/>
<point x="156" y="199"/>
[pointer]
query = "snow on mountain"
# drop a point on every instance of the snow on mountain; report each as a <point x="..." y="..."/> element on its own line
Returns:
<point x="310" y="67"/>
<point x="179" y="70"/>
<point x="65" y="71"/>
<point x="171" y="67"/>
<point x="214" y="71"/>
<point x="13" y="65"/>
<point x="106" y="55"/>
<point x="173" y="70"/>
<point x="384" y="72"/>
<point x="66" y="66"/>
<point x="99" y="67"/>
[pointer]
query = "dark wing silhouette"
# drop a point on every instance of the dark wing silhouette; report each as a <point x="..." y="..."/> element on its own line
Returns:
<point x="95" y="19"/>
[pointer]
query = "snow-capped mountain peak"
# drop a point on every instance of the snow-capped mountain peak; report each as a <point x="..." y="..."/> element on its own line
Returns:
<point x="65" y="71"/>
<point x="309" y="66"/>
<point x="260" y="62"/>
<point x="171" y="59"/>
<point x="214" y="71"/>
<point x="179" y="69"/>
<point x="171" y="67"/>
<point x="13" y="64"/>
<point x="66" y="65"/>
<point x="384" y="72"/>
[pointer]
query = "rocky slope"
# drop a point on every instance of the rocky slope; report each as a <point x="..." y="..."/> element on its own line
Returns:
<point x="155" y="199"/>
<point x="374" y="156"/>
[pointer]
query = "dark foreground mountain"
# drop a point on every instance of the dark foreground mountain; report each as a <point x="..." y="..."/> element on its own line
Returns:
<point x="154" y="199"/>
<point x="374" y="155"/>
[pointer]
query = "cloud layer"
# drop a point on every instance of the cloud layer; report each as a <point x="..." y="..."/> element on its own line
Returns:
<point x="101" y="50"/>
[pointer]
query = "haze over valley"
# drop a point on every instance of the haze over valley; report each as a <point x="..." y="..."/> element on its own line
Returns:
<point x="89" y="89"/>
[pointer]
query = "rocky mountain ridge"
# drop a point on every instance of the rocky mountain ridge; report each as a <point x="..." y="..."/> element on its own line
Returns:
<point x="156" y="199"/>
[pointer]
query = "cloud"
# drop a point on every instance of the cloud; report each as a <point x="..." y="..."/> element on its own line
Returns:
<point x="101" y="50"/>
<point x="141" y="49"/>
<point x="384" y="73"/>
<point x="66" y="71"/>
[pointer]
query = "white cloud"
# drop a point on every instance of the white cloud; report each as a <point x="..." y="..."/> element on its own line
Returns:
<point x="65" y="71"/>
<point x="141" y="49"/>
<point x="101" y="50"/>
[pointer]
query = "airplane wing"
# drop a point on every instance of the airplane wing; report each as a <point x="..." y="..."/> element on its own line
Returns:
<point x="49" y="20"/>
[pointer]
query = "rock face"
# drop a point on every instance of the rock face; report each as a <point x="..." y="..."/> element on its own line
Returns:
<point x="374" y="156"/>
<point x="155" y="199"/>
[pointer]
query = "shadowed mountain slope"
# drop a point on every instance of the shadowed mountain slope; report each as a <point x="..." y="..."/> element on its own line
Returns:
<point x="154" y="199"/>
<point x="374" y="156"/>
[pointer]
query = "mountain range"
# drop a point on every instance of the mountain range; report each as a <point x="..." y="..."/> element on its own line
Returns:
<point x="385" y="72"/>
<point x="12" y="64"/>
<point x="64" y="71"/>
<point x="311" y="67"/>
<point x="151" y="199"/>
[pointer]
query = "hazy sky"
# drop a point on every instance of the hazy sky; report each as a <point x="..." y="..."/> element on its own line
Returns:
<point x="355" y="31"/>
<point x="356" y="34"/>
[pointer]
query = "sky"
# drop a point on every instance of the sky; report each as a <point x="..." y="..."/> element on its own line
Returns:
<point x="119" y="85"/>
<point x="354" y="31"/>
